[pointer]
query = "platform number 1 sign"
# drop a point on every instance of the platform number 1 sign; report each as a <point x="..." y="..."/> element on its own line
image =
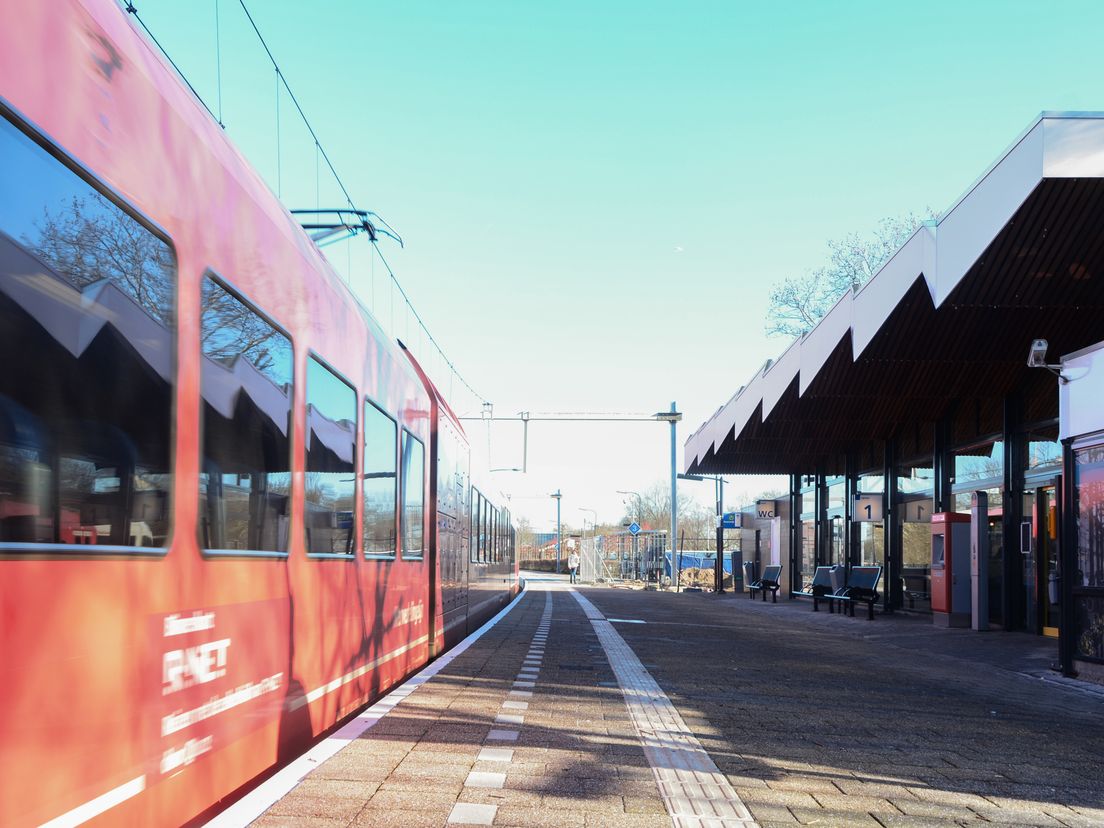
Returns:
<point x="868" y="508"/>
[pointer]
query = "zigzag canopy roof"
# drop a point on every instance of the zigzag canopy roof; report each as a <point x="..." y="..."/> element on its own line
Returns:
<point x="948" y="319"/>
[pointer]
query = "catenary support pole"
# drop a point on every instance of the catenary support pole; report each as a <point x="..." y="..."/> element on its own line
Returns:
<point x="674" y="481"/>
<point x="718" y="565"/>
<point x="559" y="537"/>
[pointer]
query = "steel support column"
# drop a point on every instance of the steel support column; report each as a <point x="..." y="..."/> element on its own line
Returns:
<point x="796" y="575"/>
<point x="823" y="541"/>
<point x="1013" y="596"/>
<point x="850" y="535"/>
<point x="942" y="466"/>
<point x="892" y="529"/>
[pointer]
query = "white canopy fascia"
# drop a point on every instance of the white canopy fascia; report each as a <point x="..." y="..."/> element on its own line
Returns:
<point x="1055" y="145"/>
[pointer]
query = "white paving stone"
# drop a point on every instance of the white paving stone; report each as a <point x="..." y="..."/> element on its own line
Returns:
<point x="695" y="792"/>
<point x="467" y="813"/>
<point x="485" y="779"/>
<point x="515" y="705"/>
<point x="522" y="694"/>
<point x="495" y="755"/>
<point x="509" y="718"/>
<point x="502" y="736"/>
<point x="525" y="684"/>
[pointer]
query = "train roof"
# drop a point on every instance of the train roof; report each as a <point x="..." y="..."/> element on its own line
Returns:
<point x="215" y="140"/>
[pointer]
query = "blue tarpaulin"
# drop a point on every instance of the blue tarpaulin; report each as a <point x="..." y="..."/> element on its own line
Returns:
<point x="696" y="560"/>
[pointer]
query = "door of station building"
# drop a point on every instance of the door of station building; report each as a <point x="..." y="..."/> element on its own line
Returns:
<point x="1039" y="546"/>
<point x="1047" y="595"/>
<point x="996" y="571"/>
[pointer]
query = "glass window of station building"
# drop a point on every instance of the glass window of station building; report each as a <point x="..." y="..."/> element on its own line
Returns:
<point x="924" y="387"/>
<point x="894" y="531"/>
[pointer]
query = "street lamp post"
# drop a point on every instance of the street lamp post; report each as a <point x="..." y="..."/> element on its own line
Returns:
<point x="673" y="416"/>
<point x="556" y="494"/>
<point x="718" y="565"/>
<point x="636" y="517"/>
<point x="636" y="503"/>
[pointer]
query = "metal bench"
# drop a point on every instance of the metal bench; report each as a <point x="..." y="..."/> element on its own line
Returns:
<point x="861" y="587"/>
<point x="769" y="581"/>
<point x="820" y="588"/>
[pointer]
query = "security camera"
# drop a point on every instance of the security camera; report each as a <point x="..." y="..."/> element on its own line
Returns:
<point x="1036" y="357"/>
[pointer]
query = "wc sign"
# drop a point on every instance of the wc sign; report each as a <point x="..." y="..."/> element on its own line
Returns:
<point x="765" y="509"/>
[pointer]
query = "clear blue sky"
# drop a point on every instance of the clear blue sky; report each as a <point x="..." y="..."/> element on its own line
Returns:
<point x="597" y="197"/>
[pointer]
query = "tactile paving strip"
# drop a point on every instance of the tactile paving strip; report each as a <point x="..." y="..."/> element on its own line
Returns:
<point x="696" y="793"/>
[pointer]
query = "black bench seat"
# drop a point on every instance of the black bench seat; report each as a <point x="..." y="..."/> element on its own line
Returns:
<point x="820" y="588"/>
<point x="769" y="581"/>
<point x="861" y="587"/>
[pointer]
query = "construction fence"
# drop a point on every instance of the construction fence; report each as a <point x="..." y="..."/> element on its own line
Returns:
<point x="646" y="558"/>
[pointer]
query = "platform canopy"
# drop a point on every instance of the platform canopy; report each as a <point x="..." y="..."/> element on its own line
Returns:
<point x="945" y="325"/>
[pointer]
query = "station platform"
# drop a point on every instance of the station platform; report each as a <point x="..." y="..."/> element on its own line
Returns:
<point x="584" y="706"/>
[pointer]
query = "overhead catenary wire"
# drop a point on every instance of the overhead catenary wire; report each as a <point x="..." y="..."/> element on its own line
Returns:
<point x="279" y="168"/>
<point x="395" y="283"/>
<point x="281" y="80"/>
<point x="218" y="63"/>
<point x="294" y="100"/>
<point x="130" y="8"/>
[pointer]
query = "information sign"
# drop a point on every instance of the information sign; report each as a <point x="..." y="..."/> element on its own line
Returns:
<point x="868" y="508"/>
<point x="634" y="528"/>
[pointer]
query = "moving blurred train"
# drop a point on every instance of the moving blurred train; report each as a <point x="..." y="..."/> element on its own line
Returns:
<point x="232" y="510"/>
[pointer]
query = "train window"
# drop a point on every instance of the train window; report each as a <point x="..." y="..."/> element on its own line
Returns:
<point x="485" y="532"/>
<point x="494" y="534"/>
<point x="380" y="482"/>
<point x="330" y="485"/>
<point x="474" y="557"/>
<point x="413" y="467"/>
<point x="87" y="314"/>
<point x="246" y="380"/>
<point x="482" y="529"/>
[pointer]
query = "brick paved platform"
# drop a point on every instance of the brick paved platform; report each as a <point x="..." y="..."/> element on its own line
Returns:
<point x="720" y="711"/>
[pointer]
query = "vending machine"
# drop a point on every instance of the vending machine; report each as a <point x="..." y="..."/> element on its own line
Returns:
<point x="950" y="569"/>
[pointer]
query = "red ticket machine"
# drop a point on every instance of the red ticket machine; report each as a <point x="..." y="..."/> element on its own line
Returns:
<point x="950" y="569"/>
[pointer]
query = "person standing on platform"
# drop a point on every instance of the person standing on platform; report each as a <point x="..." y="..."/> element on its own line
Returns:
<point x="573" y="565"/>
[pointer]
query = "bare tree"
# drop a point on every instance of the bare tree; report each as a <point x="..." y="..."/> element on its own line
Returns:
<point x="799" y="302"/>
<point x="230" y="329"/>
<point x="90" y="239"/>
<point x="654" y="511"/>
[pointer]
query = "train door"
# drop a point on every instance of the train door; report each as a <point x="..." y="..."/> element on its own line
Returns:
<point x="463" y="542"/>
<point x="452" y="524"/>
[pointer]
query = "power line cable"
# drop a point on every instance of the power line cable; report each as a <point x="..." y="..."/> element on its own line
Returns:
<point x="448" y="362"/>
<point x="279" y="168"/>
<point x="320" y="150"/>
<point x="218" y="62"/>
<point x="295" y="101"/>
<point x="132" y="9"/>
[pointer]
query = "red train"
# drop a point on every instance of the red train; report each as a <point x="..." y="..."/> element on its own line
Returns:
<point x="232" y="511"/>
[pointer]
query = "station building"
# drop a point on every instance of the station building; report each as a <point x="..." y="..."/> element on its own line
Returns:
<point x="913" y="399"/>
